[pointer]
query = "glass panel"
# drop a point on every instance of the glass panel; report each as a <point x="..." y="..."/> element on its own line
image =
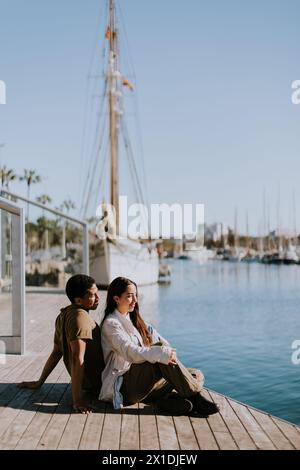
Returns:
<point x="53" y="249"/>
<point x="5" y="274"/>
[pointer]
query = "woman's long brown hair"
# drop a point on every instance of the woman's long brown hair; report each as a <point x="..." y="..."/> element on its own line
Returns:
<point x="116" y="288"/>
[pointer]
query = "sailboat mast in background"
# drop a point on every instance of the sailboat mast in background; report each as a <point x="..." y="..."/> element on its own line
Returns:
<point x="114" y="112"/>
<point x="119" y="255"/>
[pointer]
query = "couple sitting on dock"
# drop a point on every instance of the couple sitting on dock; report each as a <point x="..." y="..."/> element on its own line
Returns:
<point x="125" y="360"/>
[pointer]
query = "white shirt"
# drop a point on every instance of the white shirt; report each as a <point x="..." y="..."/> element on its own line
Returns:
<point x="122" y="346"/>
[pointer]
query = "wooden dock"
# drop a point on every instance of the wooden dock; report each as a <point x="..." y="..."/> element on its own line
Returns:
<point x="43" y="419"/>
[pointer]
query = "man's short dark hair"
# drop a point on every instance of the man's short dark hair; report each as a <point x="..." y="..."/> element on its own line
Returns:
<point x="78" y="285"/>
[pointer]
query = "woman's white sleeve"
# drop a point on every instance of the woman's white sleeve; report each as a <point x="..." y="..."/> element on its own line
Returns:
<point x="156" y="336"/>
<point x="131" y="352"/>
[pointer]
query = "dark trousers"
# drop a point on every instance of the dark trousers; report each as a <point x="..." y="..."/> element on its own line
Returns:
<point x="148" y="382"/>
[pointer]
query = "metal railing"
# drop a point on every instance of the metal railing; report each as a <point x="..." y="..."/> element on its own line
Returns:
<point x="84" y="225"/>
<point x="15" y="343"/>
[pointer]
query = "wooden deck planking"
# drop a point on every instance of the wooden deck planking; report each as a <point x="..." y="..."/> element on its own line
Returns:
<point x="238" y="431"/>
<point x="291" y="433"/>
<point x="204" y="435"/>
<point x="33" y="433"/>
<point x="91" y="435"/>
<point x="23" y="417"/>
<point x="73" y="430"/>
<point x="220" y="431"/>
<point x="270" y="428"/>
<point x="43" y="419"/>
<point x="54" y="431"/>
<point x="185" y="433"/>
<point x="260" y="438"/>
<point x="110" y="438"/>
<point x="148" y="428"/>
<point x="21" y="421"/>
<point x="166" y="433"/>
<point x="130" y="433"/>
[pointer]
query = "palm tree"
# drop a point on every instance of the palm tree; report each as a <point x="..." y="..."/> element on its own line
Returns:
<point x="45" y="199"/>
<point x="66" y="205"/>
<point x="6" y="176"/>
<point x="30" y="177"/>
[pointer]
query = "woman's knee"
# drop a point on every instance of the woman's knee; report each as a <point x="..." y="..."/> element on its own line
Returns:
<point x="199" y="376"/>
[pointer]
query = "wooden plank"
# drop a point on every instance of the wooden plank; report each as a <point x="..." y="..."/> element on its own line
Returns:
<point x="46" y="409"/>
<point x="8" y="414"/>
<point x="110" y="439"/>
<point x="260" y="438"/>
<point x="31" y="436"/>
<point x="291" y="432"/>
<point x="185" y="433"/>
<point x="148" y="428"/>
<point x="239" y="433"/>
<point x="72" y="432"/>
<point x="11" y="391"/>
<point x="91" y="435"/>
<point x="203" y="433"/>
<point x="20" y="421"/>
<point x="11" y="395"/>
<point x="55" y="428"/>
<point x="219" y="429"/>
<point x="23" y="364"/>
<point x="130" y="436"/>
<point x="274" y="433"/>
<point x="17" y="427"/>
<point x="7" y="364"/>
<point x="166" y="433"/>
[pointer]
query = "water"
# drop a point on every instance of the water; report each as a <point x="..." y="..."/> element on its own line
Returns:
<point x="236" y="322"/>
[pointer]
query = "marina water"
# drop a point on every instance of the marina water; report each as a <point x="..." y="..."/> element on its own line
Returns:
<point x="236" y="322"/>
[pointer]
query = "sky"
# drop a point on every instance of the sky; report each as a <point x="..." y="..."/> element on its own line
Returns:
<point x="213" y="86"/>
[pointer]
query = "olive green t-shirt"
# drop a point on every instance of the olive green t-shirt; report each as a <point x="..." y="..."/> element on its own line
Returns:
<point x="75" y="323"/>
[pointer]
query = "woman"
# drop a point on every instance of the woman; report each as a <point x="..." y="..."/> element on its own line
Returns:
<point x="140" y="365"/>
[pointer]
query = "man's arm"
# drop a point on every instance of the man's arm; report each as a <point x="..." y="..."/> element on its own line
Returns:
<point x="51" y="363"/>
<point x="78" y="348"/>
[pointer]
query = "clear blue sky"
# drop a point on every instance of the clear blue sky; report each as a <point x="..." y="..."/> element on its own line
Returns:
<point x="214" y="86"/>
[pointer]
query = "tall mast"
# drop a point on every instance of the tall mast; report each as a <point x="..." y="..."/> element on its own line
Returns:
<point x="236" y="236"/>
<point x="247" y="232"/>
<point x="113" y="77"/>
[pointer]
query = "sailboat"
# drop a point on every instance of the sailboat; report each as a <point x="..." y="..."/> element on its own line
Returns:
<point x="119" y="256"/>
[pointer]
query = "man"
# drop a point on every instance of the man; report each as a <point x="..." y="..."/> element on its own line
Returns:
<point x="77" y="339"/>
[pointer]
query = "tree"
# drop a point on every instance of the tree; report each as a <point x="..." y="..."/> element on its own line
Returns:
<point x="30" y="177"/>
<point x="6" y="176"/>
<point x="66" y="205"/>
<point x="45" y="199"/>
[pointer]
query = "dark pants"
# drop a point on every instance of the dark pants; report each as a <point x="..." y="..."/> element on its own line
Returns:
<point x="148" y="382"/>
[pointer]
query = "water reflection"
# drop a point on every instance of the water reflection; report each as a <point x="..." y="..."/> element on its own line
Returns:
<point x="149" y="303"/>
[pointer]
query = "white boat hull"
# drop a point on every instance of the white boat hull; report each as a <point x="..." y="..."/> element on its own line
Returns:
<point x="126" y="258"/>
<point x="200" y="255"/>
